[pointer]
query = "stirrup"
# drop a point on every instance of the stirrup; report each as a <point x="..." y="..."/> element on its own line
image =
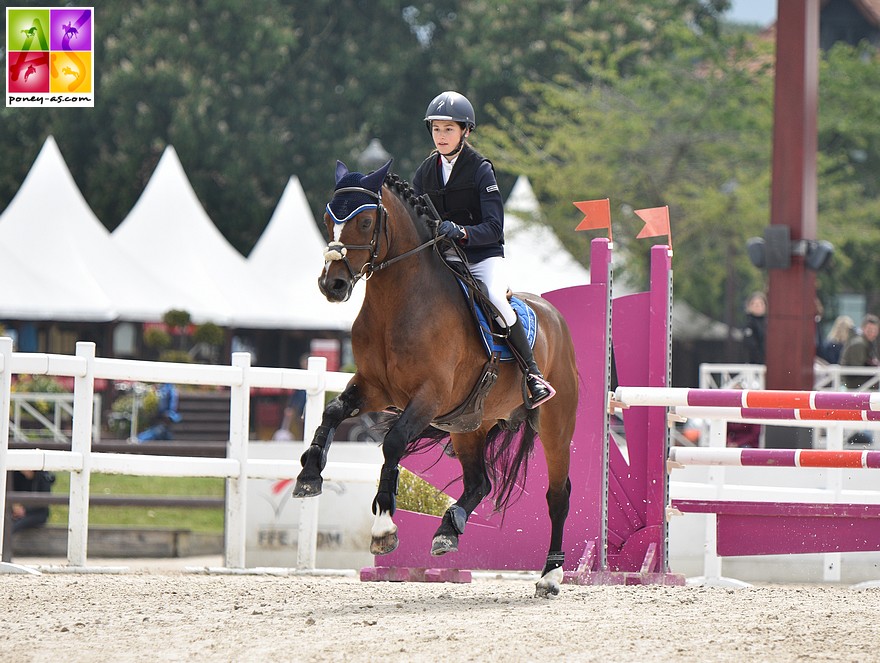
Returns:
<point x="541" y="382"/>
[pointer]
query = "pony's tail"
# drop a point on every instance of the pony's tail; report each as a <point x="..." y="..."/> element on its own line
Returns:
<point x="508" y="449"/>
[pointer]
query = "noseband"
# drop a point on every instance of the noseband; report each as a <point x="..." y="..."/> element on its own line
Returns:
<point x="339" y="250"/>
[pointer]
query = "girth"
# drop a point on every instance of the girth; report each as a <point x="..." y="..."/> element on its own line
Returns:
<point x="468" y="416"/>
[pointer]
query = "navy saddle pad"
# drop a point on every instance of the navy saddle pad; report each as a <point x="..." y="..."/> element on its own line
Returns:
<point x="526" y="315"/>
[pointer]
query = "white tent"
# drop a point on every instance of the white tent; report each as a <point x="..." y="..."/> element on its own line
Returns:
<point x="171" y="229"/>
<point x="289" y="255"/>
<point x="536" y="260"/>
<point x="57" y="261"/>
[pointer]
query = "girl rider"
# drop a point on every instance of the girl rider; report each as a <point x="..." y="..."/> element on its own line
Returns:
<point x="461" y="184"/>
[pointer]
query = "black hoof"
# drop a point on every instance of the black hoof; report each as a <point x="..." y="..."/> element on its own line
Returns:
<point x="444" y="543"/>
<point x="308" y="487"/>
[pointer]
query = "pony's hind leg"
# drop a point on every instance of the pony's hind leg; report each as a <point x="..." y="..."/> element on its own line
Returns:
<point x="552" y="574"/>
<point x="556" y="430"/>
<point x="470" y="450"/>
<point x="309" y="483"/>
<point x="412" y="422"/>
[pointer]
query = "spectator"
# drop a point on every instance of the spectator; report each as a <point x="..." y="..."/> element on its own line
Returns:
<point x="841" y="332"/>
<point x="860" y="350"/>
<point x="166" y="415"/>
<point x="30" y="481"/>
<point x="755" y="332"/>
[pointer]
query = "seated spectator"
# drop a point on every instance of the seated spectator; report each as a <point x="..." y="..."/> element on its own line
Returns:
<point x="30" y="481"/>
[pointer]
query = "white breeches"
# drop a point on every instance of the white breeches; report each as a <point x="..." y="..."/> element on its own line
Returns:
<point x="492" y="272"/>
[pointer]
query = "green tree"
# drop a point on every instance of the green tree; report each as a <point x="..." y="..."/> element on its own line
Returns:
<point x="691" y="131"/>
<point x="849" y="159"/>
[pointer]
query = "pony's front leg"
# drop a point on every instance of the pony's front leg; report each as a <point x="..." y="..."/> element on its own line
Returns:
<point x="410" y="424"/>
<point x="470" y="450"/>
<point x="309" y="483"/>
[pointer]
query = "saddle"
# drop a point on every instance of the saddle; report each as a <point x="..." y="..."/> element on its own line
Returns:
<point x="469" y="415"/>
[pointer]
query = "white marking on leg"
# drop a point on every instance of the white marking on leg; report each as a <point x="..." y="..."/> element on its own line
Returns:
<point x="383" y="525"/>
<point x="550" y="582"/>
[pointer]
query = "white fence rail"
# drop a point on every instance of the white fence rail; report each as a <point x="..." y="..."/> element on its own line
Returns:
<point x="826" y="377"/>
<point x="236" y="468"/>
<point x="28" y="408"/>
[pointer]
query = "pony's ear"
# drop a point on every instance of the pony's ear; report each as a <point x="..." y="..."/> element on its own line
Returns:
<point x="341" y="171"/>
<point x="373" y="181"/>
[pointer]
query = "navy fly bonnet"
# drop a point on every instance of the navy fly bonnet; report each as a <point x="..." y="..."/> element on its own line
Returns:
<point x="355" y="192"/>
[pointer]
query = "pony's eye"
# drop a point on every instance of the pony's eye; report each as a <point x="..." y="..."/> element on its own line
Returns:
<point x="365" y="222"/>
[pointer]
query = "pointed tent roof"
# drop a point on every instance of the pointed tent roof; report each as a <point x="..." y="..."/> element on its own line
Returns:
<point x="536" y="260"/>
<point x="212" y="280"/>
<point x="56" y="258"/>
<point x="289" y="255"/>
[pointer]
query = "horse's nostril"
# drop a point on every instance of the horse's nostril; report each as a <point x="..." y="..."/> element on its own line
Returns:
<point x="334" y="289"/>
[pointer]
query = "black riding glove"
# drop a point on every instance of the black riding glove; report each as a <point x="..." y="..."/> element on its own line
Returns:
<point x="451" y="230"/>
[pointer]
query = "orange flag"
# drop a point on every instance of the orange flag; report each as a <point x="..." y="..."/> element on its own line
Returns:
<point x="597" y="214"/>
<point x="656" y="222"/>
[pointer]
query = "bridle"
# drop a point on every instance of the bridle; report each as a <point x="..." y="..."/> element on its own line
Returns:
<point x="339" y="250"/>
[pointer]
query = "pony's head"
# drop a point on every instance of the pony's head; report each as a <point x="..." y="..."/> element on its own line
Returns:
<point x="355" y="210"/>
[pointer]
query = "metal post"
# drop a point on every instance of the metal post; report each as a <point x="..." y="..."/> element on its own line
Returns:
<point x="792" y="291"/>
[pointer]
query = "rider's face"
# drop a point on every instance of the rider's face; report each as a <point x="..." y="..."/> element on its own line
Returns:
<point x="447" y="135"/>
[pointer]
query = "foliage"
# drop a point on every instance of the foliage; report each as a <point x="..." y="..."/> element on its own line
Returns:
<point x="849" y="159"/>
<point x="416" y="494"/>
<point x="176" y="319"/>
<point x="157" y="338"/>
<point x="691" y="132"/>
<point x="119" y="421"/>
<point x="39" y="384"/>
<point x="209" y="333"/>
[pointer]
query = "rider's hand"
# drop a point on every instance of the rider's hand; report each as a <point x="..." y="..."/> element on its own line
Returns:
<point x="451" y="230"/>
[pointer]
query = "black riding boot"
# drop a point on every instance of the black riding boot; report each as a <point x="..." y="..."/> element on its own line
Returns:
<point x="539" y="388"/>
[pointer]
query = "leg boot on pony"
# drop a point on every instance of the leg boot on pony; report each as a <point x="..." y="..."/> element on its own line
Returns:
<point x="540" y="390"/>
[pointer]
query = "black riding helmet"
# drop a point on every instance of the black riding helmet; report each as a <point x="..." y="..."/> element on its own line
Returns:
<point x="452" y="106"/>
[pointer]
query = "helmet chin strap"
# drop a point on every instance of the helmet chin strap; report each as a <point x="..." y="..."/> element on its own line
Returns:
<point x="460" y="144"/>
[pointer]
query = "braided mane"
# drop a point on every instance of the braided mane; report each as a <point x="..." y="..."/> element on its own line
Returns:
<point x="420" y="213"/>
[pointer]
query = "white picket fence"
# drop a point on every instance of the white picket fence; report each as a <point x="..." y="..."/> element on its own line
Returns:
<point x="236" y="468"/>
